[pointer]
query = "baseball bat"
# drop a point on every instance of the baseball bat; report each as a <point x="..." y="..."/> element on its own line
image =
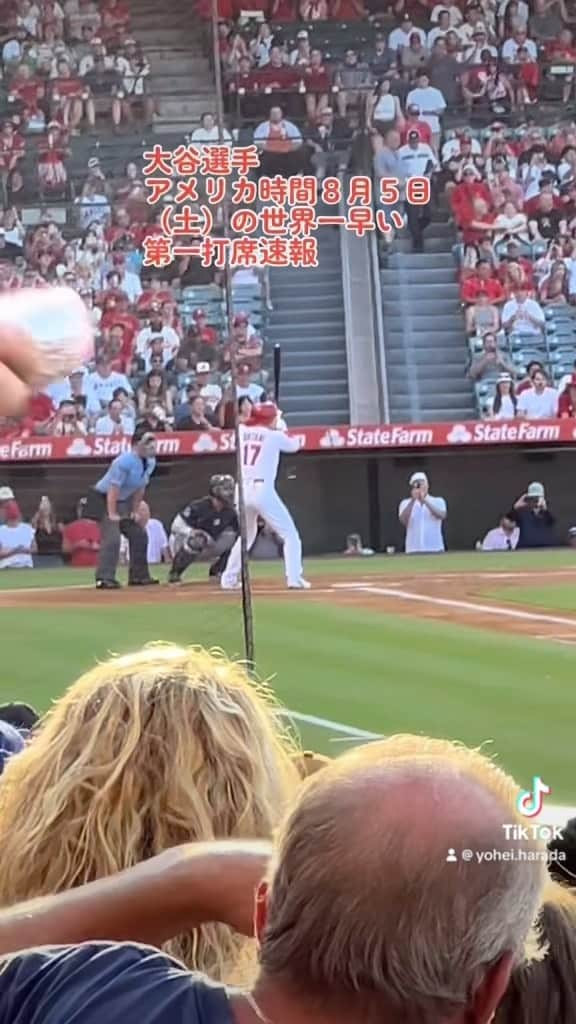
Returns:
<point x="277" y="370"/>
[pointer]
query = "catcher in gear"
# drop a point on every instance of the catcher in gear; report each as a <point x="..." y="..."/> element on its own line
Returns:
<point x="207" y="526"/>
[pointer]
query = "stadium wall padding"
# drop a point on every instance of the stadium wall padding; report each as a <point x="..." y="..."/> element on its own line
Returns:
<point x="334" y="493"/>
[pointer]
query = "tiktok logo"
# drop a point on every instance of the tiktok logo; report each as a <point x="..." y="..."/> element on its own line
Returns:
<point x="531" y="802"/>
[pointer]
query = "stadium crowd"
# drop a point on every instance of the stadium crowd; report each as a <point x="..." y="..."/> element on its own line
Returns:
<point x="170" y="746"/>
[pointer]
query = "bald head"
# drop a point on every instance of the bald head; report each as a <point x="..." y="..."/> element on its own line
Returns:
<point x="364" y="905"/>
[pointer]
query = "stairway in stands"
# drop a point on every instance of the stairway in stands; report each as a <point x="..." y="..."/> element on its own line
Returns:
<point x="425" y="338"/>
<point x="308" y="322"/>
<point x="181" y="77"/>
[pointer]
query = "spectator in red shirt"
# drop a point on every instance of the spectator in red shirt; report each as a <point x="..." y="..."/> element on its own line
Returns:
<point x="347" y="10"/>
<point x="413" y="123"/>
<point x="482" y="282"/>
<point x="567" y="400"/>
<point x="26" y="91"/>
<point x="68" y="96"/>
<point x="316" y="78"/>
<point x="276" y="75"/>
<point x="40" y="411"/>
<point x="81" y="539"/>
<point x="283" y="10"/>
<point x="155" y="294"/>
<point x="464" y="196"/>
<point x="205" y="335"/>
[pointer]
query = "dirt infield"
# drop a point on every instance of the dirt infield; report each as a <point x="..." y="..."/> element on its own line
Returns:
<point x="458" y="598"/>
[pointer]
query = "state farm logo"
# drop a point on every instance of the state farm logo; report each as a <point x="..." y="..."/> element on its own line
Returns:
<point x="78" y="449"/>
<point x="205" y="443"/>
<point x="332" y="439"/>
<point x="459" y="435"/>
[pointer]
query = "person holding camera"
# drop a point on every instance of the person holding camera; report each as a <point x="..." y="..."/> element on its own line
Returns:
<point x="422" y="516"/>
<point x="533" y="519"/>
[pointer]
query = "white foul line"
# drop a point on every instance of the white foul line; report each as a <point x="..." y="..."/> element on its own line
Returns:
<point x="469" y="606"/>
<point x="325" y="723"/>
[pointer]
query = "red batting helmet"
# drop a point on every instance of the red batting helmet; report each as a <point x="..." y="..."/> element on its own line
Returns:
<point x="263" y="415"/>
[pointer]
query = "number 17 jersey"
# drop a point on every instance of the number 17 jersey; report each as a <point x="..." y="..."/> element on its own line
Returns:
<point x="260" y="452"/>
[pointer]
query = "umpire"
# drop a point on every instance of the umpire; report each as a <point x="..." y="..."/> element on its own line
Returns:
<point x="207" y="526"/>
<point x="114" y="500"/>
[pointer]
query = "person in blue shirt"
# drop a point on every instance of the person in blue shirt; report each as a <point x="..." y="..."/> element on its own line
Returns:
<point x="116" y="497"/>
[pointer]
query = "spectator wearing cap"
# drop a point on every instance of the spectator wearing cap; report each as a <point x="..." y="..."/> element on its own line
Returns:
<point x="154" y="329"/>
<point x="134" y="70"/>
<point x="6" y="495"/>
<point x="246" y="387"/>
<point x="17" y="542"/>
<point x="417" y="159"/>
<point x="205" y="387"/>
<point x="422" y="517"/>
<point x="414" y="122"/>
<point x="539" y="402"/>
<point x="400" y="36"/>
<point x="504" y="403"/>
<point x="503" y="537"/>
<point x="328" y="138"/>
<point x="300" y="55"/>
<point x="535" y="522"/>
<point x="81" y="539"/>
<point x="414" y="57"/>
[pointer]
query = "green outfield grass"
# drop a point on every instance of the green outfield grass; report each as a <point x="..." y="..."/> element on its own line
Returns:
<point x="345" y="665"/>
<point x="560" y="597"/>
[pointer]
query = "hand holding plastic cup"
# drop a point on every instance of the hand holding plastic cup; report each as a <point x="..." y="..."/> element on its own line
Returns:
<point x="45" y="334"/>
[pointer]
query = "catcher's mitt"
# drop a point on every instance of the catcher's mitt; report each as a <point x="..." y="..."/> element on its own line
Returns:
<point x="198" y="541"/>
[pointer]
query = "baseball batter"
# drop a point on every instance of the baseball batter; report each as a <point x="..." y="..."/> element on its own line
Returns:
<point x="261" y="443"/>
<point x="207" y="526"/>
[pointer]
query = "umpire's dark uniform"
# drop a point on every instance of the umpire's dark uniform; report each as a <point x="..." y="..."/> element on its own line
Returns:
<point x="211" y="516"/>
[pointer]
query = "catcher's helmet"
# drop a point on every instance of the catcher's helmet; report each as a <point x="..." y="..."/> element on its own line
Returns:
<point x="263" y="415"/>
<point x="222" y="486"/>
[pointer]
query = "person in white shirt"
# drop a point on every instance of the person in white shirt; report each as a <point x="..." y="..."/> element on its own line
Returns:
<point x="102" y="383"/>
<point x="522" y="315"/>
<point x="209" y="133"/>
<point x="17" y="540"/>
<point x="431" y="104"/>
<point x="456" y="16"/>
<point x="400" y="37"/>
<point x="540" y="402"/>
<point x="511" y="46"/>
<point x="422" y="516"/>
<point x="115" y="423"/>
<point x="158" y="546"/>
<point x="417" y="159"/>
<point x="503" y="537"/>
<point x="156" y="328"/>
<point x="261" y="443"/>
<point x="439" y="30"/>
<point x="211" y="393"/>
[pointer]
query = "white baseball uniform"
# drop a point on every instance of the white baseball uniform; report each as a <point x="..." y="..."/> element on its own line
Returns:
<point x="260" y="448"/>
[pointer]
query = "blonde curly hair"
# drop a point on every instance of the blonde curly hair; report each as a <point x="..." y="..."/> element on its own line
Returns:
<point x="145" y="751"/>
